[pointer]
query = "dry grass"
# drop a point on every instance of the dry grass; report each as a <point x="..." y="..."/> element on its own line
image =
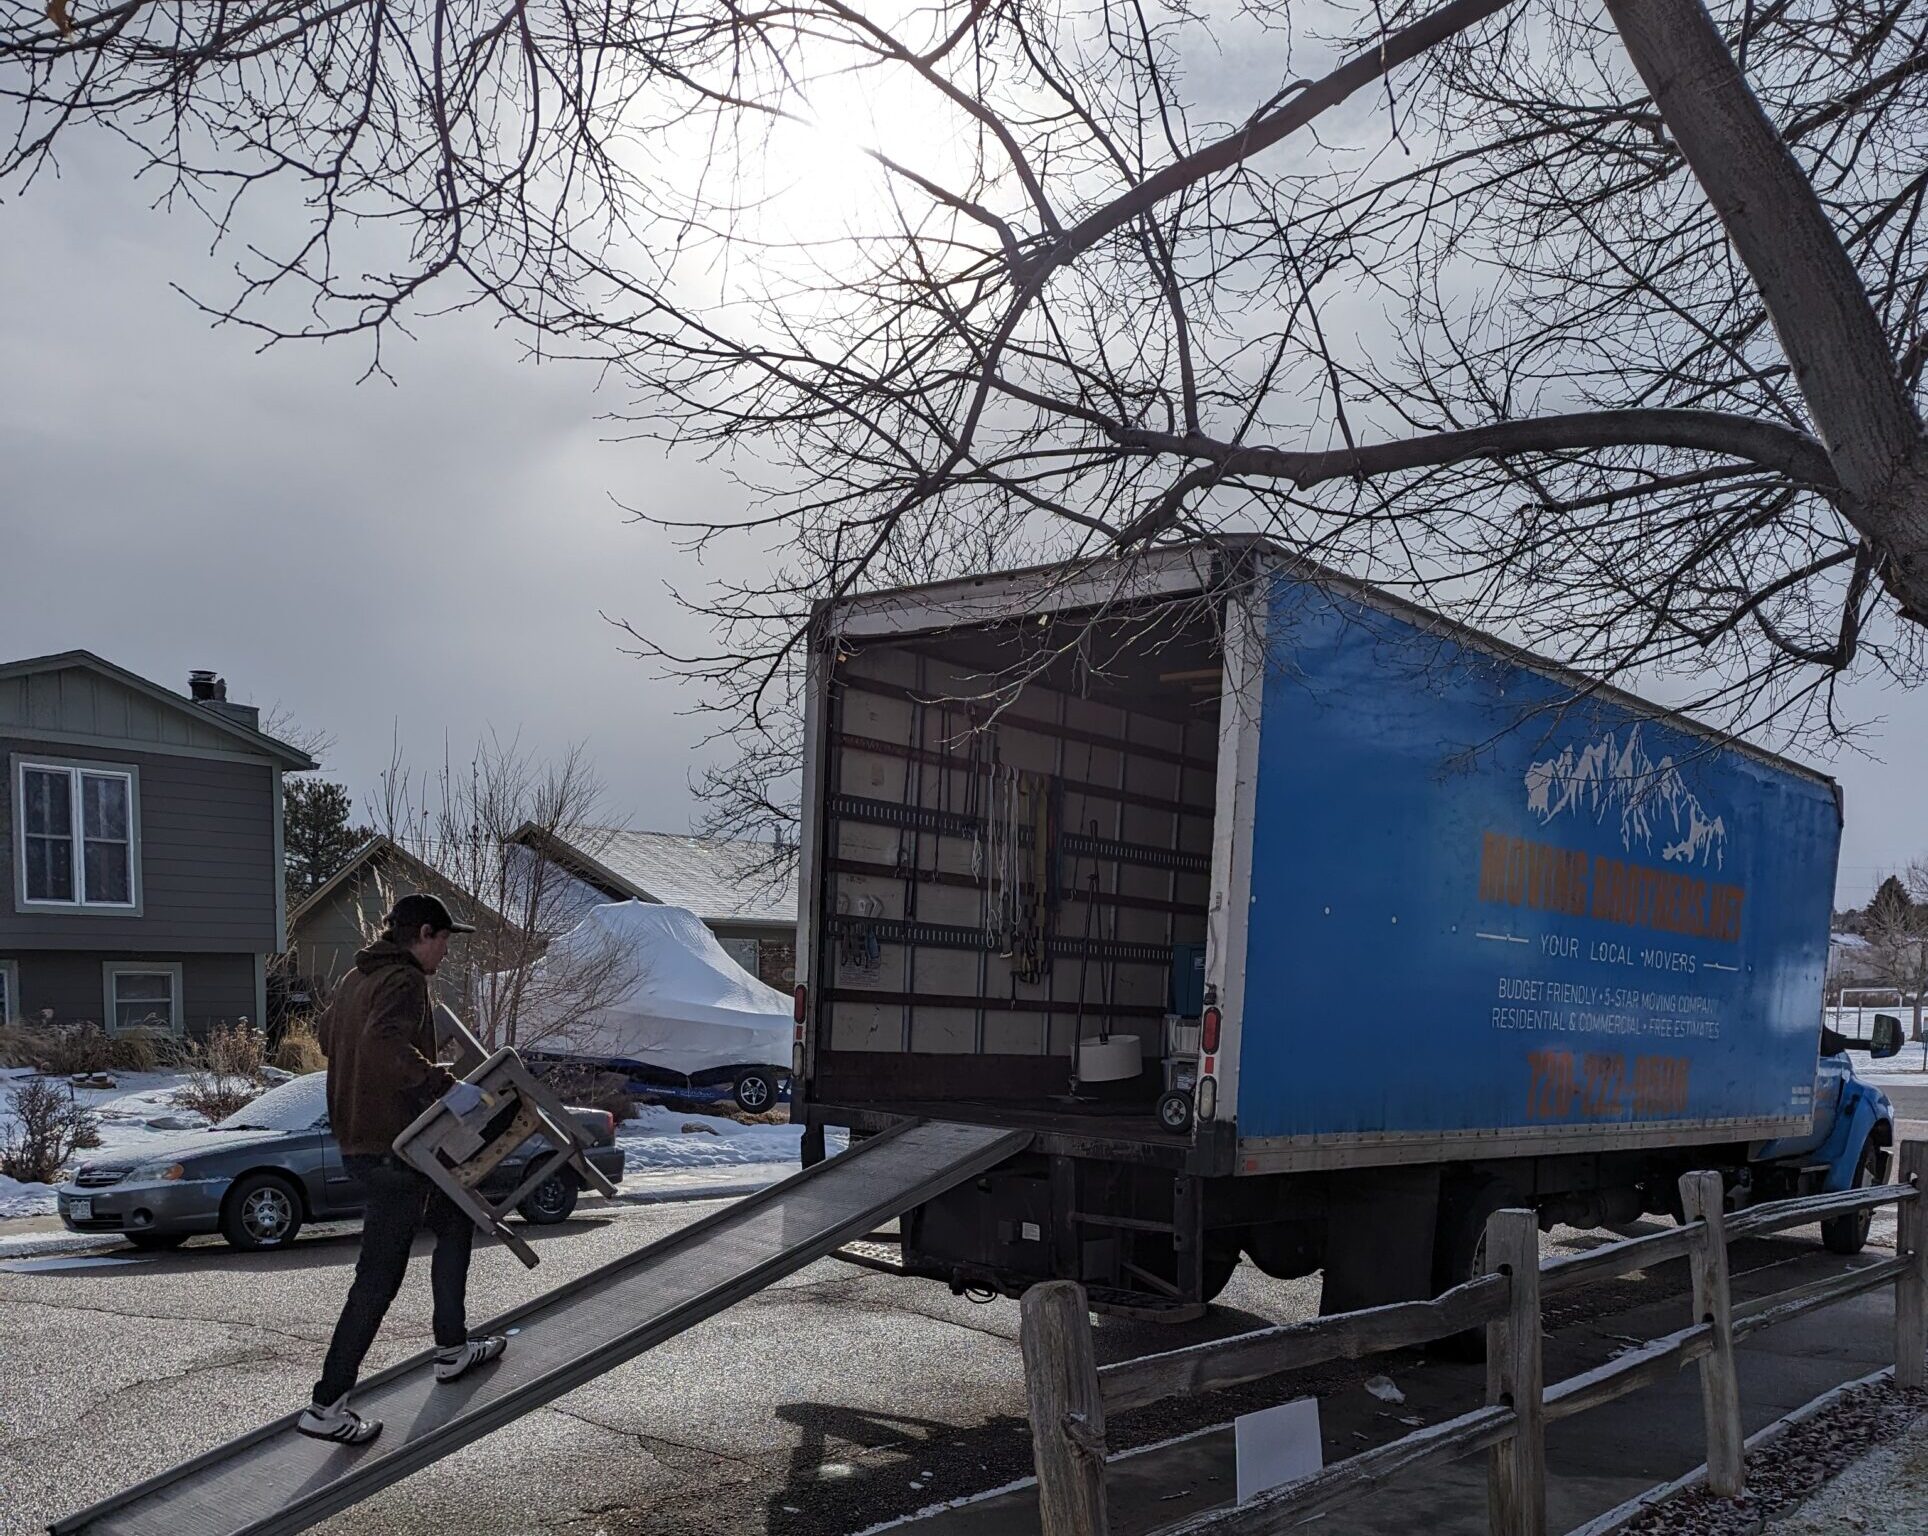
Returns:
<point x="133" y="1053"/>
<point x="75" y="1049"/>
<point x="299" y="1050"/>
<point x="62" y="1052"/>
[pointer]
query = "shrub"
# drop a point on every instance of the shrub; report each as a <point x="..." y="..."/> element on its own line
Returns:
<point x="229" y="1074"/>
<point x="300" y="1048"/>
<point x="48" y="1123"/>
<point x="172" y="1052"/>
<point x="132" y="1053"/>
<point x="234" y="1050"/>
<point x="216" y="1097"/>
<point x="73" y="1049"/>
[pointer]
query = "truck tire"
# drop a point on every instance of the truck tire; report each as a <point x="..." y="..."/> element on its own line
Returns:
<point x="1459" y="1248"/>
<point x="1849" y="1234"/>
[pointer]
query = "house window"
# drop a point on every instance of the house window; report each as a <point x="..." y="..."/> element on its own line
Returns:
<point x="743" y="951"/>
<point x="78" y="836"/>
<point x="142" y="996"/>
<point x="9" y="991"/>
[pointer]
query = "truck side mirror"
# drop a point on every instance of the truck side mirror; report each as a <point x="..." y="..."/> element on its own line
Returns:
<point x="1887" y="1036"/>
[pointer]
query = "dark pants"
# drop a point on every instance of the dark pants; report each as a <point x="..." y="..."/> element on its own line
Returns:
<point x="399" y="1200"/>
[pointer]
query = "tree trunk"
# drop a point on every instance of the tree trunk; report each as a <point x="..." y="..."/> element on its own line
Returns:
<point x="1815" y="298"/>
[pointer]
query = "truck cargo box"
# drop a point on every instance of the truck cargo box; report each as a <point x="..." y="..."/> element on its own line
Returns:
<point x="1452" y="901"/>
<point x="1490" y="907"/>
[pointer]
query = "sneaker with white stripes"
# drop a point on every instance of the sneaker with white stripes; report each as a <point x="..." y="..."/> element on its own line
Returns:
<point x="338" y="1422"/>
<point x="463" y="1358"/>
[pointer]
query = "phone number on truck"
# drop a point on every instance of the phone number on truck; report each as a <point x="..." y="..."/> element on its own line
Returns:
<point x="1601" y="1085"/>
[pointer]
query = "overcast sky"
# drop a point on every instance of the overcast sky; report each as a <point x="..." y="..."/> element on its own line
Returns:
<point x="430" y="558"/>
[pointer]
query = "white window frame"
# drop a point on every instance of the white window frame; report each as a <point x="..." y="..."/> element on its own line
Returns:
<point x="76" y="769"/>
<point x="10" y="981"/>
<point x="112" y="970"/>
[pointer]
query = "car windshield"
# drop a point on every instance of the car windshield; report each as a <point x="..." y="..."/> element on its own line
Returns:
<point x="298" y="1105"/>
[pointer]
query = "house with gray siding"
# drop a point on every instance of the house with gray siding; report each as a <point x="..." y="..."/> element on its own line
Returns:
<point x="340" y="916"/>
<point x="142" y="829"/>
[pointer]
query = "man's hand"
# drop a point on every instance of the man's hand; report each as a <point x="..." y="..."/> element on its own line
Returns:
<point x="463" y="1099"/>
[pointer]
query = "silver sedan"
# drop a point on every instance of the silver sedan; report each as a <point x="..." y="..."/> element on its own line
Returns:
<point x="258" y="1175"/>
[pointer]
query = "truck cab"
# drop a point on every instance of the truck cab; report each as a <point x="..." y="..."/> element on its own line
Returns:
<point x="1850" y="1143"/>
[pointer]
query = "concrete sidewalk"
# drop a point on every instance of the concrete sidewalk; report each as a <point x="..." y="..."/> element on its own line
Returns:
<point x="1596" y="1461"/>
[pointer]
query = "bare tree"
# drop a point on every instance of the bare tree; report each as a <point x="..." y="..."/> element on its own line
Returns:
<point x="459" y="821"/>
<point x="1605" y="330"/>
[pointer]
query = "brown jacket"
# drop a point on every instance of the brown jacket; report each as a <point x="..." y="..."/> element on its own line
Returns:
<point x="379" y="1037"/>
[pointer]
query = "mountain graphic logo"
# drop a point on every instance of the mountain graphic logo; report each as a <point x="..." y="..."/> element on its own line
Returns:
<point x="1610" y="780"/>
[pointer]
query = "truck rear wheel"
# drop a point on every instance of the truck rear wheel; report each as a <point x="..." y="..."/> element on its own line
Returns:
<point x="1459" y="1251"/>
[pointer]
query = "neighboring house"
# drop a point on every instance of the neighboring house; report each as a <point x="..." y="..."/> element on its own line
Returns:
<point x="743" y="893"/>
<point x="328" y="925"/>
<point x="1852" y="961"/>
<point x="143" y="838"/>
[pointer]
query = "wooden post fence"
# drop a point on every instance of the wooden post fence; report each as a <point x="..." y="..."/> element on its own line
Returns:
<point x="1067" y="1409"/>
<point x="1068" y="1393"/>
<point x="1516" y="1467"/>
<point x="1911" y="1287"/>
<point x="1703" y="1196"/>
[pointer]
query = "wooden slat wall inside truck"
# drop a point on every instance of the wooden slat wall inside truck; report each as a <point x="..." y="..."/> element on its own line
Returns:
<point x="1130" y="797"/>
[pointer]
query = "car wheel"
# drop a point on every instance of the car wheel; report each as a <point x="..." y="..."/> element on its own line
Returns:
<point x="155" y="1241"/>
<point x="1849" y="1234"/>
<point x="261" y="1211"/>
<point x="550" y="1201"/>
<point x="755" y="1092"/>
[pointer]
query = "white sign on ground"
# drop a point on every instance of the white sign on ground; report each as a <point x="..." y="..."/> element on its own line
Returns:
<point x="1277" y="1445"/>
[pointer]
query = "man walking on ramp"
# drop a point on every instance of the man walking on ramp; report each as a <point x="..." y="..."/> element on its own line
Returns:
<point x="379" y="1036"/>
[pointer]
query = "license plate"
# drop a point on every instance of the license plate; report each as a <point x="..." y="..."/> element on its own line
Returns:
<point x="79" y="1210"/>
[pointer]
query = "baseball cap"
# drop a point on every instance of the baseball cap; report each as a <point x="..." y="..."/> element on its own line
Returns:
<point x="419" y="910"/>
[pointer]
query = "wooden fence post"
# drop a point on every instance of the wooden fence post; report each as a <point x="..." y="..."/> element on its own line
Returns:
<point x="1516" y="1467"/>
<point x="1067" y="1409"/>
<point x="1703" y="1200"/>
<point x="1911" y="1287"/>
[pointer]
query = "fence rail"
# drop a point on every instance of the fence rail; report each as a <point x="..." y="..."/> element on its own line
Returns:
<point x="1070" y="1395"/>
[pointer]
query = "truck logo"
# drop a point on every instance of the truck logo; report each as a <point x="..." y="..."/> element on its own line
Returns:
<point x="1608" y="779"/>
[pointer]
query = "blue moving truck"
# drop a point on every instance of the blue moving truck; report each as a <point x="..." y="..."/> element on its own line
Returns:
<point x="1300" y="925"/>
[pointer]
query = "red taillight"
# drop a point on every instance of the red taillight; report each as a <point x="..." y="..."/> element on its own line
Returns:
<point x="800" y="1005"/>
<point x="609" y="1124"/>
<point x="1209" y="1034"/>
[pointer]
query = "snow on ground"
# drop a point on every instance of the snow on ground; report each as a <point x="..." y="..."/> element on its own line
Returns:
<point x="661" y="1147"/>
<point x="1911" y="1066"/>
<point x="17" y="1199"/>
<point x="123" y="1112"/>
<point x="665" y="1138"/>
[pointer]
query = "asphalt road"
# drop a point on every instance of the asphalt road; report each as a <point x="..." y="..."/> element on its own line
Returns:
<point x="836" y="1400"/>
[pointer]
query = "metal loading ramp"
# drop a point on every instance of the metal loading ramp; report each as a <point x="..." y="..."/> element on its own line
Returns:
<point x="277" y="1479"/>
